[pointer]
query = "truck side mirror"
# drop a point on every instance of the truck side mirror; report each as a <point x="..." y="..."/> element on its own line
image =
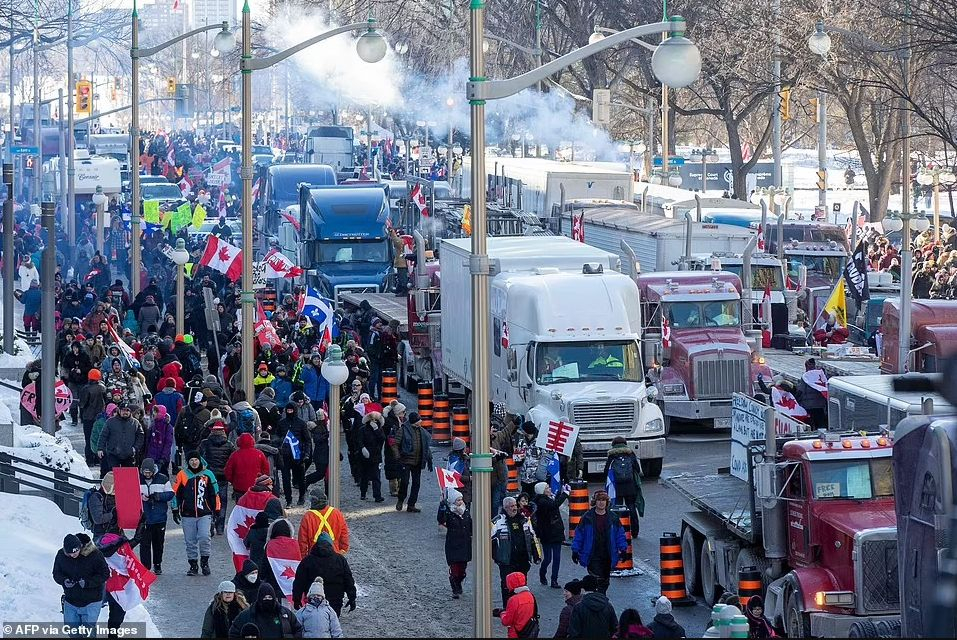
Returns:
<point x="511" y="364"/>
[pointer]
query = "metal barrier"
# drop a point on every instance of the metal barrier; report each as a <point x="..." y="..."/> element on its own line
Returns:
<point x="64" y="494"/>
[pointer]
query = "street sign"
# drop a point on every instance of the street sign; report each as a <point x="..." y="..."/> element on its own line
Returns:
<point x="21" y="150"/>
<point x="673" y="161"/>
<point x="836" y="207"/>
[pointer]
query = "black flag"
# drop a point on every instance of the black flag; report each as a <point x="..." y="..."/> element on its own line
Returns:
<point x="855" y="273"/>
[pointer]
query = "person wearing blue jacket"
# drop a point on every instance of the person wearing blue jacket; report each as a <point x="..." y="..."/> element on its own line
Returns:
<point x="599" y="540"/>
<point x="156" y="492"/>
<point x="31" y="306"/>
<point x="282" y="385"/>
<point x="313" y="384"/>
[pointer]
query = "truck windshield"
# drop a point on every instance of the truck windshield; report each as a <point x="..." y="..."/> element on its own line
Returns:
<point x="852" y="479"/>
<point x="829" y="266"/>
<point x="720" y="313"/>
<point x="350" y="251"/>
<point x="577" y="361"/>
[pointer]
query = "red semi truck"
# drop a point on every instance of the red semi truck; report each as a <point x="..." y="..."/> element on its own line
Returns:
<point x="933" y="334"/>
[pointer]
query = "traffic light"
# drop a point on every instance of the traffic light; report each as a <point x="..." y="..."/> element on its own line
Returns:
<point x="822" y="180"/>
<point x="786" y="103"/>
<point x="171" y="86"/>
<point x="84" y="95"/>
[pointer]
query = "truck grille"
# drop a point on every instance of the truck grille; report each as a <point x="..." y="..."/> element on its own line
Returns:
<point x="879" y="579"/>
<point x="719" y="377"/>
<point x="598" y="416"/>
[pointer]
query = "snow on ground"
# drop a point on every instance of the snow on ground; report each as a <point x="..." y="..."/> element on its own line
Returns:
<point x="32" y="531"/>
<point x="24" y="355"/>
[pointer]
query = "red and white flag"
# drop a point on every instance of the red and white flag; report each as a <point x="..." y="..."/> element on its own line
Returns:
<point x="284" y="556"/>
<point x="786" y="403"/>
<point x="278" y="265"/>
<point x="264" y="330"/>
<point x="176" y="5"/>
<point x="223" y="257"/>
<point x="129" y="581"/>
<point x="817" y="380"/>
<point x="578" y="227"/>
<point x="505" y="341"/>
<point x="221" y="204"/>
<point x="291" y="219"/>
<point x="760" y="238"/>
<point x="241" y="520"/>
<point x="170" y="152"/>
<point x="764" y="316"/>
<point x="665" y="334"/>
<point x="448" y="479"/>
<point x="418" y="198"/>
<point x="560" y="437"/>
<point x="256" y="190"/>
<point x="185" y="186"/>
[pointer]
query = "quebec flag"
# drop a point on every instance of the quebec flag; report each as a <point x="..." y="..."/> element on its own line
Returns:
<point x="555" y="473"/>
<point x="610" y="485"/>
<point x="319" y="310"/>
<point x="293" y="442"/>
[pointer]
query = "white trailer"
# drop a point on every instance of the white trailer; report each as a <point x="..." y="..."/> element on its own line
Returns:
<point x="90" y="172"/>
<point x="565" y="329"/>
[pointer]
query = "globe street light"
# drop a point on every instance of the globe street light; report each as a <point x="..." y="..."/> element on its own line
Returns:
<point x="335" y="371"/>
<point x="819" y="43"/>
<point x="180" y="257"/>
<point x="905" y="223"/>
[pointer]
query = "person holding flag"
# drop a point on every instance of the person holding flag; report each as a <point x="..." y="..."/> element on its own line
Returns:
<point x="623" y="481"/>
<point x="811" y="393"/>
<point x="548" y="524"/>
<point x="833" y="330"/>
<point x="295" y="445"/>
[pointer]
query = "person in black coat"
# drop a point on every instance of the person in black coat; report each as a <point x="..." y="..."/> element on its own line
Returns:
<point x="594" y="616"/>
<point x="293" y="457"/>
<point x="372" y="438"/>
<point x="320" y="449"/>
<point x="550" y="529"/>
<point x="256" y="539"/>
<point x="273" y="619"/>
<point x="323" y="562"/>
<point x="247" y="580"/>
<point x="455" y="517"/>
<point x="82" y="571"/>
<point x="627" y="478"/>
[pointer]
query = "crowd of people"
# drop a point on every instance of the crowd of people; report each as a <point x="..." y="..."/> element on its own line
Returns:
<point x="935" y="263"/>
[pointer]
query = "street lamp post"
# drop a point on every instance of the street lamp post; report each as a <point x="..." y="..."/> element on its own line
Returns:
<point x="820" y="43"/>
<point x="371" y="47"/>
<point x="905" y="223"/>
<point x="48" y="365"/>
<point x="335" y="371"/>
<point x="224" y="42"/>
<point x="99" y="199"/>
<point x="676" y="62"/>
<point x="936" y="177"/>
<point x="180" y="257"/>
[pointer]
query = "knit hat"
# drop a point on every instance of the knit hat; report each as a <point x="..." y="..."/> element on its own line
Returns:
<point x="188" y="339"/>
<point x="662" y="606"/>
<point x="108" y="483"/>
<point x="71" y="544"/>
<point x="317" y="589"/>
<point x="325" y="537"/>
<point x="530" y="428"/>
<point x="414" y="417"/>
<point x="318" y="498"/>
<point x="573" y="587"/>
<point x="619" y="441"/>
<point x="458" y="444"/>
<point x="589" y="583"/>
<point x="398" y="407"/>
<point x="193" y="454"/>
<point x="453" y="495"/>
<point x="249" y="630"/>
<point x="269" y="392"/>
<point x="540" y="488"/>
<point x="94" y="375"/>
<point x="149" y="465"/>
<point x="263" y="480"/>
<point x="226" y="587"/>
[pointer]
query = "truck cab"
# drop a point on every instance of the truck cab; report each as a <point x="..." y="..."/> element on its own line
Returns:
<point x="933" y="334"/>
<point x="280" y="190"/>
<point x="695" y="345"/>
<point x="820" y="248"/>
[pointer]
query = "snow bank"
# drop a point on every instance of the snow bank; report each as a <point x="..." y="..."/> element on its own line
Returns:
<point x="55" y="452"/>
<point x="32" y="531"/>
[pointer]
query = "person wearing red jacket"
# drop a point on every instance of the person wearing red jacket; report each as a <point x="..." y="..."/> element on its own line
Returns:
<point x="521" y="611"/>
<point x="831" y="333"/>
<point x="245" y="465"/>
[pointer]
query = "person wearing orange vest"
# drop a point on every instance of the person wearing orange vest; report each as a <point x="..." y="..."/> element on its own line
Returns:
<point x="322" y="518"/>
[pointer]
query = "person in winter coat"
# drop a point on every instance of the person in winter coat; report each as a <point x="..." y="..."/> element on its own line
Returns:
<point x="664" y="624"/>
<point x="226" y="606"/>
<point x="245" y="465"/>
<point x="294" y="441"/>
<point x="514" y="545"/>
<point x="188" y="428"/>
<point x="372" y="438"/>
<point x="102" y="506"/>
<point x="170" y="398"/>
<point x="258" y="534"/>
<point x="459" y="462"/>
<point x="323" y="518"/>
<point x="149" y="317"/>
<point x="77" y="366"/>
<point x="810" y="394"/>
<point x="244" y="417"/>
<point x="279" y="528"/>
<point x="624" y="471"/>
<point x="196" y="500"/>
<point x="313" y="384"/>
<point x="394" y="415"/>
<point x="246" y="580"/>
<point x="82" y="572"/>
<point x="282" y="386"/>
<point x="216" y="451"/>
<point x="121" y="439"/>
<point x="265" y="406"/>
<point x="263" y="379"/>
<point x="320" y="449"/>
<point x="599" y="540"/>
<point x="528" y="457"/>
<point x="594" y="616"/>
<point x="455" y="517"/>
<point x="631" y="626"/>
<point x="572" y="594"/>
<point x="92" y="404"/>
<point x="501" y="448"/>
<point x="157" y="493"/>
<point x="160" y="441"/>
<point x="306" y="412"/>
<point x="758" y="626"/>
<point x="322" y="561"/>
<point x="151" y="373"/>
<point x="521" y="609"/>
<point x="548" y="524"/>
<point x="414" y="454"/>
<point x="317" y="618"/>
<point x="271" y="617"/>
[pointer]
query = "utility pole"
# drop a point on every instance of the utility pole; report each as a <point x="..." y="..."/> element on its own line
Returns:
<point x="47" y="326"/>
<point x="822" y="152"/>
<point x="9" y="269"/>
<point x="907" y="255"/>
<point x="62" y="160"/>
<point x="71" y="104"/>
<point x="37" y="133"/>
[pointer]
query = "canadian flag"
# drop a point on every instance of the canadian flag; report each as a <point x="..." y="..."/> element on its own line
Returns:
<point x="185" y="186"/>
<point x="786" y="403"/>
<point x="221" y="205"/>
<point x="760" y="238"/>
<point x="578" y="227"/>
<point x="417" y="197"/>
<point x="665" y="334"/>
<point x="291" y="219"/>
<point x="764" y="315"/>
<point x="278" y="265"/>
<point x="129" y="581"/>
<point x="448" y="478"/>
<point x="283" y="555"/>
<point x="817" y="380"/>
<point x="223" y="257"/>
<point x="170" y="152"/>
<point x="256" y="190"/>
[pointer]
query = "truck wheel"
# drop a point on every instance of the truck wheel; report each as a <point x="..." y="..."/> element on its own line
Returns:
<point x="863" y="629"/>
<point x="795" y="620"/>
<point x="710" y="589"/>
<point x="888" y="628"/>
<point x="651" y="468"/>
<point x="690" y="552"/>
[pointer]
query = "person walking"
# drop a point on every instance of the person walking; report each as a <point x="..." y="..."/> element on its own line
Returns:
<point x="372" y="439"/>
<point x="295" y="444"/>
<point x="317" y="617"/>
<point x="323" y="562"/>
<point x="91" y="405"/>
<point x="572" y="593"/>
<point x="122" y="437"/>
<point x="322" y="518"/>
<point x="102" y="508"/>
<point x="599" y="540"/>
<point x="156" y="492"/>
<point x="414" y="454"/>
<point x="216" y="450"/>
<point x="82" y="572"/>
<point x="246" y="580"/>
<point x="195" y="501"/>
<point x="394" y="415"/>
<point x="455" y="517"/>
<point x="514" y="545"/>
<point x="594" y="616"/>
<point x="160" y="441"/>
<point x="272" y="618"/>
<point x="225" y="607"/>
<point x="245" y="465"/>
<point x="501" y="448"/>
<point x="548" y="525"/>
<point x="664" y="624"/>
<point x="623" y="481"/>
<point x="520" y="615"/>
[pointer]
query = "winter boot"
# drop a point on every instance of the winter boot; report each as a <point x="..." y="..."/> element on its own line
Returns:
<point x="393" y="487"/>
<point x="193" y="568"/>
<point x="413" y="509"/>
<point x="204" y="563"/>
<point x="455" y="588"/>
<point x="220" y="529"/>
<point x="398" y="505"/>
<point x="158" y="570"/>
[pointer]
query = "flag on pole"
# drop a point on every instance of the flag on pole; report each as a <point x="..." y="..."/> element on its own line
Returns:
<point x="278" y="265"/>
<point x="221" y="204"/>
<point x="555" y="473"/>
<point x="170" y="152"/>
<point x="578" y="227"/>
<point x="318" y="309"/>
<point x="448" y="478"/>
<point x="264" y="330"/>
<point x="837" y="305"/>
<point x="291" y="219"/>
<point x="185" y="186"/>
<point x="129" y="581"/>
<point x="855" y="273"/>
<point x="418" y="198"/>
<point x="284" y="557"/>
<point x="223" y="257"/>
<point x="256" y="190"/>
<point x="760" y="237"/>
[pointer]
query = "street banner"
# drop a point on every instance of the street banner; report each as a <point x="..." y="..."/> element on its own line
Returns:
<point x="129" y="502"/>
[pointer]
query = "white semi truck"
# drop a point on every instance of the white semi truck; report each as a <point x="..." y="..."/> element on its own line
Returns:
<point x="565" y="331"/>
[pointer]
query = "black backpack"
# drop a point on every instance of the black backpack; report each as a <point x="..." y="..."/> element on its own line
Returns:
<point x="624" y="471"/>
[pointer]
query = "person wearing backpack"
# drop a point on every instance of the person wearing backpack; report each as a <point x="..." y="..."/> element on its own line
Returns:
<point x="623" y="472"/>
<point x="188" y="428"/>
<point x="98" y="508"/>
<point x="245" y="419"/>
<point x="520" y="615"/>
<point x="91" y="404"/>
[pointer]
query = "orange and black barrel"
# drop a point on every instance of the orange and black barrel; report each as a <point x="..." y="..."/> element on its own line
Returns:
<point x="672" y="568"/>
<point x="577" y="505"/>
<point x="749" y="584"/>
<point x="460" y="423"/>
<point x="390" y="386"/>
<point x="441" y="421"/>
<point x="426" y="404"/>
<point x="625" y="560"/>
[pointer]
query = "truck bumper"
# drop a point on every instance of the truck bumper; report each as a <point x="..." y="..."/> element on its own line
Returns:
<point x="834" y="625"/>
<point x="595" y="452"/>
<point x="697" y="409"/>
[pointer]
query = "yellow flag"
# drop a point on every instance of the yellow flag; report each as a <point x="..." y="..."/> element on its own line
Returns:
<point x="151" y="211"/>
<point x="837" y="305"/>
<point x="199" y="216"/>
<point x="467" y="220"/>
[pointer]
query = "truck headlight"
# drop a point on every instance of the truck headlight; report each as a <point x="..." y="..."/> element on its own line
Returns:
<point x="674" y="389"/>
<point x="655" y="426"/>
